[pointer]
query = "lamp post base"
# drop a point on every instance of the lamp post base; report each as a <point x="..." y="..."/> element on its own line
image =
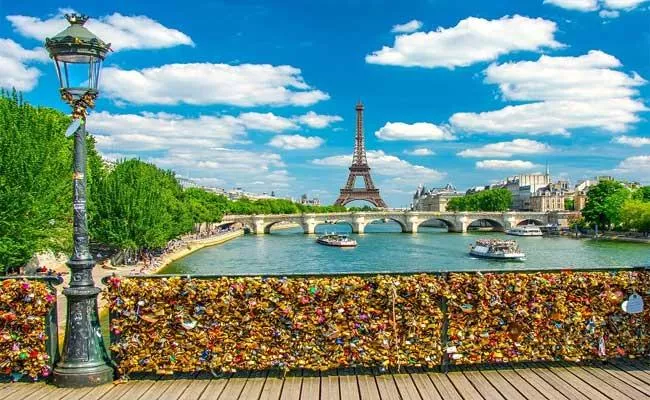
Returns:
<point x="82" y="377"/>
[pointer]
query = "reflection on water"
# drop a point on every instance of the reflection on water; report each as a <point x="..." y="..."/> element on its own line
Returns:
<point x="384" y="248"/>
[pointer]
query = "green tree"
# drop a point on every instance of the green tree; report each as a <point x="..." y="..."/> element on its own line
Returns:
<point x="139" y="206"/>
<point x="569" y="204"/>
<point x="635" y="215"/>
<point x="486" y="200"/>
<point x="604" y="203"/>
<point x="36" y="180"/>
<point x="642" y="193"/>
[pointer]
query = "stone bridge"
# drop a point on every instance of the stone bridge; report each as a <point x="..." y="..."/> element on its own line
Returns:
<point x="409" y="221"/>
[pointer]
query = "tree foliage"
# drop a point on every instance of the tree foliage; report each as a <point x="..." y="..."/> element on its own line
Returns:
<point x="635" y="215"/>
<point x="486" y="200"/>
<point x="604" y="204"/>
<point x="35" y="180"/>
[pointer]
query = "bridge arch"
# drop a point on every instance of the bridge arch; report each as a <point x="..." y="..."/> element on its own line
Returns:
<point x="494" y="223"/>
<point x="451" y="226"/>
<point x="269" y="225"/>
<point x="530" y="221"/>
<point x="334" y="222"/>
<point x="401" y="224"/>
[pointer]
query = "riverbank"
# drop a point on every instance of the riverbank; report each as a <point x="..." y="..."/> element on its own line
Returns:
<point x="610" y="238"/>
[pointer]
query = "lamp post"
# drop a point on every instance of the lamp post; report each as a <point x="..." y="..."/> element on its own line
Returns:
<point x="78" y="56"/>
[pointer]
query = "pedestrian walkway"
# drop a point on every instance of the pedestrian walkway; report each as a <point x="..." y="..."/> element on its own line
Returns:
<point x="561" y="381"/>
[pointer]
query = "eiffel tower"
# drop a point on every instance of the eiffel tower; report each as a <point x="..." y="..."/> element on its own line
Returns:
<point x="360" y="168"/>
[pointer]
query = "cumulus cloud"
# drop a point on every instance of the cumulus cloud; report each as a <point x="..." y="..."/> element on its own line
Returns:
<point x="15" y="71"/>
<point x="411" y="26"/>
<point x="472" y="40"/>
<point x="580" y="5"/>
<point x="566" y="93"/>
<point x="397" y="171"/>
<point x="266" y="122"/>
<point x="505" y="164"/>
<point x="507" y="149"/>
<point x="296" y="142"/>
<point x="608" y="8"/>
<point x="123" y="32"/>
<point x="419" y="131"/>
<point x="632" y="141"/>
<point x="244" y="85"/>
<point x="318" y="121"/>
<point x="420" y="151"/>
<point x="635" y="167"/>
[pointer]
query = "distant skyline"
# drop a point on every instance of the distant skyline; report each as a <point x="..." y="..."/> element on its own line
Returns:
<point x="261" y="95"/>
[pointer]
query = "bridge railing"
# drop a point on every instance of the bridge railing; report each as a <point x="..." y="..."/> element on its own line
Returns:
<point x="29" y="336"/>
<point x="169" y="323"/>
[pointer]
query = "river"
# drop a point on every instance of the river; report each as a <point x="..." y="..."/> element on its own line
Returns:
<point x="384" y="249"/>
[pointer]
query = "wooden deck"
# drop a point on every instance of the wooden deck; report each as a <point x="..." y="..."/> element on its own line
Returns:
<point x="619" y="380"/>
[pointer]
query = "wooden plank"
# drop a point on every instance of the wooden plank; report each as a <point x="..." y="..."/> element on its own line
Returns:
<point x="292" y="386"/>
<point x="78" y="393"/>
<point x="367" y="384"/>
<point x="425" y="387"/>
<point x="10" y="390"/>
<point x="464" y="386"/>
<point x="195" y="388"/>
<point x="329" y="385"/>
<point x="386" y="385"/>
<point x="503" y="386"/>
<point x="634" y="364"/>
<point x="631" y="386"/>
<point x="114" y="391"/>
<point x="444" y="385"/>
<point x="272" y="386"/>
<point x="310" y="385"/>
<point x="157" y="389"/>
<point x="635" y="372"/>
<point x="534" y="381"/>
<point x="57" y="393"/>
<point x="25" y="390"/>
<point x="482" y="385"/>
<point x="254" y="385"/>
<point x="235" y="385"/>
<point x="405" y="385"/>
<point x="596" y="383"/>
<point x="135" y="389"/>
<point x="348" y="384"/>
<point x="574" y="381"/>
<point x="38" y="392"/>
<point x="215" y="387"/>
<point x="557" y="382"/>
<point x="178" y="386"/>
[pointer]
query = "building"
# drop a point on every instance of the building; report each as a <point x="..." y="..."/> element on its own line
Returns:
<point x="309" y="202"/>
<point x="435" y="199"/>
<point x="547" y="199"/>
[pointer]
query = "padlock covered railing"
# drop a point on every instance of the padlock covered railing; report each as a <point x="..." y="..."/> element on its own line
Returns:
<point x="169" y="323"/>
<point x="29" y="339"/>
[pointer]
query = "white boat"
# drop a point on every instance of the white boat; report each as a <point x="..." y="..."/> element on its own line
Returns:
<point x="497" y="249"/>
<point x="336" y="240"/>
<point x="527" y="230"/>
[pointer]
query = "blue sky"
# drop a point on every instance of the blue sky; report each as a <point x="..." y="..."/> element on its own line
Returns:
<point x="261" y="94"/>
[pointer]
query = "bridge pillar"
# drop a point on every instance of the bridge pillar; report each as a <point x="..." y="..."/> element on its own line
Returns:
<point x="509" y="221"/>
<point x="460" y="225"/>
<point x="358" y="224"/>
<point x="258" y="226"/>
<point x="412" y="223"/>
<point x="309" y="224"/>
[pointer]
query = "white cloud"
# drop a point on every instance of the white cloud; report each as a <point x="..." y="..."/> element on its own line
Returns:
<point x="472" y="40"/>
<point x="14" y="69"/>
<point x="567" y="93"/>
<point x="507" y="149"/>
<point x="243" y="85"/>
<point x="421" y="151"/>
<point x="398" y="171"/>
<point x="635" y="167"/>
<point x="419" y="131"/>
<point x="608" y="14"/>
<point x="318" y="121"/>
<point x="267" y="122"/>
<point x="411" y="26"/>
<point x="505" y="164"/>
<point x="632" y="141"/>
<point x="580" y="5"/>
<point x="623" y="4"/>
<point x="123" y="32"/>
<point x="296" y="142"/>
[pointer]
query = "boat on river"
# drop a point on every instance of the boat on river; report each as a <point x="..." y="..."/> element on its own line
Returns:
<point x="336" y="240"/>
<point x="497" y="249"/>
<point x="526" y="230"/>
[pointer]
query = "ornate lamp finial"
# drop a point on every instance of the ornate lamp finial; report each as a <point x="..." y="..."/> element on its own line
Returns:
<point x="76" y="19"/>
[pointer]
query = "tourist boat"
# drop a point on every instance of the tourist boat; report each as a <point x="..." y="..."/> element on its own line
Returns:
<point x="336" y="240"/>
<point x="497" y="249"/>
<point x="527" y="230"/>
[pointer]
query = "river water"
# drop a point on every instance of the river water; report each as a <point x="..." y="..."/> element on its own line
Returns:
<point x="384" y="249"/>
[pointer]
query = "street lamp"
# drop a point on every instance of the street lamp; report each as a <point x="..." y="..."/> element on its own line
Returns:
<point x="78" y="56"/>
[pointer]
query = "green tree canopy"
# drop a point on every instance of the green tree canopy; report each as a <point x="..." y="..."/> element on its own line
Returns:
<point x="604" y="203"/>
<point x="486" y="200"/>
<point x="635" y="214"/>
